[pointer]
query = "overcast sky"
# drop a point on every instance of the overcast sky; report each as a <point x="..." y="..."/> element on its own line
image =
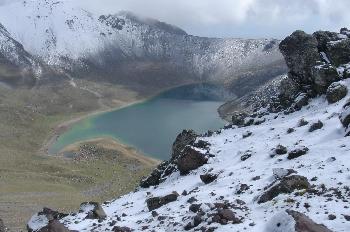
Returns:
<point x="235" y="18"/>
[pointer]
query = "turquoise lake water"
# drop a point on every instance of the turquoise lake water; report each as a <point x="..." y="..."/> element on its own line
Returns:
<point x="152" y="126"/>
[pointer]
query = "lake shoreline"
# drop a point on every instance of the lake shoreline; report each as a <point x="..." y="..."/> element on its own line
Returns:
<point x="66" y="125"/>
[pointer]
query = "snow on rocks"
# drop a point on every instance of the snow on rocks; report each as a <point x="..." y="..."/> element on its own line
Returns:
<point x="231" y="202"/>
<point x="335" y="92"/>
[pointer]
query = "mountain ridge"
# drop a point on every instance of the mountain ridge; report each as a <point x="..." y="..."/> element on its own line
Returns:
<point x="99" y="46"/>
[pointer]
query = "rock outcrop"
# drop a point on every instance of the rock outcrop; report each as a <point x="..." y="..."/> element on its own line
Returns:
<point x="185" y="138"/>
<point x="286" y="185"/>
<point x="190" y="159"/>
<point x="157" y="202"/>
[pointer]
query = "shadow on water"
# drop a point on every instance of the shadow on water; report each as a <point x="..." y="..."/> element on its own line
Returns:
<point x="152" y="126"/>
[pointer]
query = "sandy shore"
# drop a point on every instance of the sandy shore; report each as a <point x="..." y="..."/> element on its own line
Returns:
<point x="113" y="144"/>
<point x="66" y="125"/>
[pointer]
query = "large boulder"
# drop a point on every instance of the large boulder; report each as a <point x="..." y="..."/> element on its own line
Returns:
<point x="190" y="159"/>
<point x="185" y="138"/>
<point x="335" y="92"/>
<point x="286" y="185"/>
<point x="157" y="202"/>
<point x="301" y="54"/>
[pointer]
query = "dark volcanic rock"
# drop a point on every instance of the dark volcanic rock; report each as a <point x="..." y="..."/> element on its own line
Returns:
<point x="297" y="153"/>
<point x="190" y="159"/>
<point x="287" y="185"/>
<point x="185" y="138"/>
<point x="157" y="202"/>
<point x="225" y="216"/>
<point x="335" y="92"/>
<point x="301" y="54"/>
<point x="54" y="226"/>
<point x="280" y="150"/>
<point x="155" y="177"/>
<point x="208" y="178"/>
<point x="158" y="175"/>
<point x="121" y="229"/>
<point x="246" y="155"/>
<point x="93" y="210"/>
<point x="195" y="207"/>
<point x="305" y="224"/>
<point x="316" y="126"/>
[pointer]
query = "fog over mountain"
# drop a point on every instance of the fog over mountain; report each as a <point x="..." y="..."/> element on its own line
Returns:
<point x="236" y="18"/>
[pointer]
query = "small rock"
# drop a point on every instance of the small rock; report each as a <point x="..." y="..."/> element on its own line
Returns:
<point x="246" y="155"/>
<point x="280" y="150"/>
<point x="302" y="122"/>
<point x="121" y="229"/>
<point x="208" y="178"/>
<point x="316" y="126"/>
<point x="297" y="152"/>
<point x="290" y="130"/>
<point x="157" y="202"/>
<point x="195" y="207"/>
<point x="331" y="217"/>
<point x="224" y="216"/>
<point x="247" y="134"/>
<point x="347" y="217"/>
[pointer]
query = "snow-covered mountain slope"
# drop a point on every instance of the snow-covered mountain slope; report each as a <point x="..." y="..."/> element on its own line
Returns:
<point x="62" y="34"/>
<point x="247" y="165"/>
<point x="15" y="62"/>
<point x="282" y="168"/>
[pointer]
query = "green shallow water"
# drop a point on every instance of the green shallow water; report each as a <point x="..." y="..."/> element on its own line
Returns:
<point x="151" y="126"/>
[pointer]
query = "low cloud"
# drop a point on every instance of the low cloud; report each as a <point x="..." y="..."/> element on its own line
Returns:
<point x="233" y="18"/>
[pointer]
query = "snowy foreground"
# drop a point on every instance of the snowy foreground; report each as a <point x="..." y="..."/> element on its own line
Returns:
<point x="326" y="166"/>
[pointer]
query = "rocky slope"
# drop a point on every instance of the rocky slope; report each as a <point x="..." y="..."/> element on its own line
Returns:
<point x="121" y="47"/>
<point x="16" y="62"/>
<point x="282" y="168"/>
